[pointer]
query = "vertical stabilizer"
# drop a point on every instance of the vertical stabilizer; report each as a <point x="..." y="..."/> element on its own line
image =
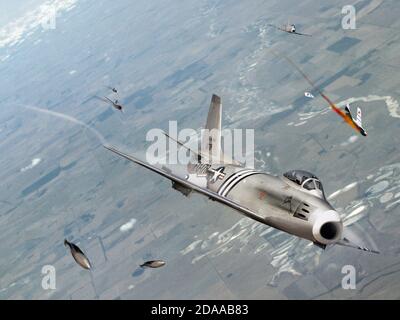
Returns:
<point x="211" y="140"/>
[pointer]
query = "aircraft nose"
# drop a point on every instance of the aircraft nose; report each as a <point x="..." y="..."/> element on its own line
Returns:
<point x="327" y="226"/>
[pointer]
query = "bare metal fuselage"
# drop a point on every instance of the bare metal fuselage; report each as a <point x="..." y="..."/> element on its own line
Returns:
<point x="278" y="201"/>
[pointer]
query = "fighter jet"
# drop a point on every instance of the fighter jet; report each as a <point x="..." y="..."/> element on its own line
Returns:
<point x="358" y="121"/>
<point x="78" y="255"/>
<point x="115" y="104"/>
<point x="153" y="264"/>
<point x="294" y="202"/>
<point x="290" y="28"/>
<point x="112" y="89"/>
<point x="309" y="95"/>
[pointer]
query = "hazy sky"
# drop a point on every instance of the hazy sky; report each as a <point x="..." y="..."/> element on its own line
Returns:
<point x="12" y="9"/>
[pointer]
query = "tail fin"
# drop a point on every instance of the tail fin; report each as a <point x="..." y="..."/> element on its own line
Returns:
<point x="347" y="109"/>
<point x="211" y="140"/>
<point x="211" y="149"/>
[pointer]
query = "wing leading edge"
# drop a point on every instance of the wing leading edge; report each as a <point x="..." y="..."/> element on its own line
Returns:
<point x="348" y="243"/>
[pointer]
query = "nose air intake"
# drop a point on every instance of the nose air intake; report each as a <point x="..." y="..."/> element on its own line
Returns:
<point x="329" y="230"/>
<point x="327" y="227"/>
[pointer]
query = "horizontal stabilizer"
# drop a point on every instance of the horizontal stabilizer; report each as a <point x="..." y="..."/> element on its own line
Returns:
<point x="199" y="155"/>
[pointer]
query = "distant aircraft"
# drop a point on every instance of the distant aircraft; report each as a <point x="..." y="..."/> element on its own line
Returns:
<point x="115" y="104"/>
<point x="153" y="264"/>
<point x="290" y="28"/>
<point x="357" y="121"/>
<point x="78" y="255"/>
<point x="112" y="89"/>
<point x="345" y="115"/>
<point x="294" y="202"/>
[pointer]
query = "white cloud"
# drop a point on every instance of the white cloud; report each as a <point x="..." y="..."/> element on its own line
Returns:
<point x="34" y="163"/>
<point x="16" y="31"/>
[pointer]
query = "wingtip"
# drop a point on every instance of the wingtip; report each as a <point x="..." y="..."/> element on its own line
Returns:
<point x="108" y="147"/>
<point x="375" y="251"/>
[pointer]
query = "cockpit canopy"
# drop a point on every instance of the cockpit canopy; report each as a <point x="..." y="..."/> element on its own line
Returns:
<point x="306" y="180"/>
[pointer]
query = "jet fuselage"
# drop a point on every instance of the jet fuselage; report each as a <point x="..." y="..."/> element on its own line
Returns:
<point x="282" y="203"/>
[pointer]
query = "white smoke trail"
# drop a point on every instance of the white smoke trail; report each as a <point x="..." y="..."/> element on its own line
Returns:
<point x="70" y="119"/>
